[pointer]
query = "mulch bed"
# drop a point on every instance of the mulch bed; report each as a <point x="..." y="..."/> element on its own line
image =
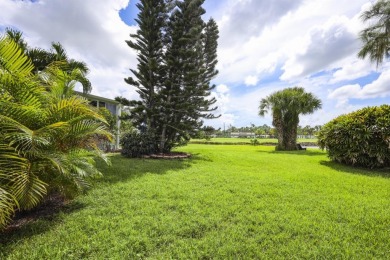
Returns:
<point x="172" y="155"/>
<point x="47" y="209"/>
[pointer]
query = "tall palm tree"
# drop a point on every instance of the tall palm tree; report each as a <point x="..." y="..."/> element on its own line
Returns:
<point x="286" y="106"/>
<point x="376" y="37"/>
<point x="46" y="132"/>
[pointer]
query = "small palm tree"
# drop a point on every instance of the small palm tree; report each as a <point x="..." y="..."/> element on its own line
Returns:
<point x="41" y="58"/>
<point x="376" y="37"/>
<point x="286" y="106"/>
<point x="58" y="54"/>
<point x="46" y="132"/>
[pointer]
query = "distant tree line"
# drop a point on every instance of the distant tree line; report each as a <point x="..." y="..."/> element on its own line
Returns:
<point x="262" y="130"/>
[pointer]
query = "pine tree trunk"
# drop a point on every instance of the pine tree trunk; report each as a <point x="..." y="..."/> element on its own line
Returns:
<point x="162" y="138"/>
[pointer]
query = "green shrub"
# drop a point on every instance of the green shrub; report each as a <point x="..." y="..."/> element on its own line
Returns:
<point x="361" y="138"/>
<point x="135" y="144"/>
<point x="255" y="142"/>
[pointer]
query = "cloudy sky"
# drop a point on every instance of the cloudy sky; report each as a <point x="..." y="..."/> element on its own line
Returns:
<point x="264" y="46"/>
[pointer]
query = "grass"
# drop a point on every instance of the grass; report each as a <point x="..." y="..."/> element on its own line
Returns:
<point x="247" y="140"/>
<point x="226" y="202"/>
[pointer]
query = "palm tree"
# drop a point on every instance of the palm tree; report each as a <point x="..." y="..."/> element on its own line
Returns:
<point x="376" y="37"/>
<point x="46" y="133"/>
<point x="286" y="106"/>
<point x="42" y="58"/>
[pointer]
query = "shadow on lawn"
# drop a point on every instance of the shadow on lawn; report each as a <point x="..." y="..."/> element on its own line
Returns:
<point x="49" y="214"/>
<point x="123" y="169"/>
<point x="357" y="170"/>
<point x="37" y="221"/>
<point x="311" y="152"/>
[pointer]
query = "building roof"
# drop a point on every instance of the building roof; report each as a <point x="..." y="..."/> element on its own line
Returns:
<point x="93" y="97"/>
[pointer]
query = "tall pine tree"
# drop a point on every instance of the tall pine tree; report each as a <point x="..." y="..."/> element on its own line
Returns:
<point x="174" y="103"/>
<point x="148" y="42"/>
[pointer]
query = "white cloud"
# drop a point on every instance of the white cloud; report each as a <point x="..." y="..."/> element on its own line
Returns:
<point x="222" y="89"/>
<point x="325" y="45"/>
<point x="90" y="30"/>
<point x="247" y="18"/>
<point x="222" y="95"/>
<point x="352" y="69"/>
<point x="310" y="36"/>
<point x="380" y="88"/>
<point x="267" y="64"/>
<point x="344" y="93"/>
<point x="251" y="80"/>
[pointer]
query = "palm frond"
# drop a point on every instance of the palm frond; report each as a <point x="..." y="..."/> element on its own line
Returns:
<point x="13" y="60"/>
<point x="376" y="37"/>
<point x="73" y="109"/>
<point x="28" y="189"/>
<point x="8" y="203"/>
<point x="17" y="179"/>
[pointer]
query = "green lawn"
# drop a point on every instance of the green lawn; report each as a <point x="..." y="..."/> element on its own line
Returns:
<point x="247" y="140"/>
<point x="226" y="202"/>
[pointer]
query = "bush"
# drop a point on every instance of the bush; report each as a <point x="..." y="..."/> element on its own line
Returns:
<point x="135" y="144"/>
<point x="255" y="142"/>
<point x="361" y="138"/>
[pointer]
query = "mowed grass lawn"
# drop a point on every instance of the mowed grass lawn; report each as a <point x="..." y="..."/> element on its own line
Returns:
<point x="226" y="202"/>
<point x="248" y="140"/>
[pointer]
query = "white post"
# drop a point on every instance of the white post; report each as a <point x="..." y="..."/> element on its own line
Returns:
<point x="118" y="124"/>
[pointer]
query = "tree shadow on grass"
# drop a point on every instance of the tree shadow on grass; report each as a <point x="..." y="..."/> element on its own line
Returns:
<point x="124" y="169"/>
<point x="385" y="172"/>
<point x="37" y="221"/>
<point x="49" y="214"/>
<point x="310" y="152"/>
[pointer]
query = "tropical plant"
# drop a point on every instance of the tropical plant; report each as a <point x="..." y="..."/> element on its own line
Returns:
<point x="376" y="37"/>
<point x="286" y="106"/>
<point x="361" y="138"/>
<point x="41" y="58"/>
<point x="112" y="127"/>
<point x="46" y="133"/>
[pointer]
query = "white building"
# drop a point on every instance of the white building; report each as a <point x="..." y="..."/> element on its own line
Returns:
<point x="243" y="134"/>
<point x="112" y="105"/>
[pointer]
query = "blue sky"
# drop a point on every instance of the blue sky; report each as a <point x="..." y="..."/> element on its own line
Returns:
<point x="264" y="46"/>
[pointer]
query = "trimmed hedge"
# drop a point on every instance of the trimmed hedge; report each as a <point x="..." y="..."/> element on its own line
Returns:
<point x="361" y="138"/>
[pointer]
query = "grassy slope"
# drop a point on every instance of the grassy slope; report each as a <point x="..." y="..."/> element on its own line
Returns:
<point x="225" y="202"/>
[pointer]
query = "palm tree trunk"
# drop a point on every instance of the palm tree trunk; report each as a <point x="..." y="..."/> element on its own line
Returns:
<point x="277" y="122"/>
